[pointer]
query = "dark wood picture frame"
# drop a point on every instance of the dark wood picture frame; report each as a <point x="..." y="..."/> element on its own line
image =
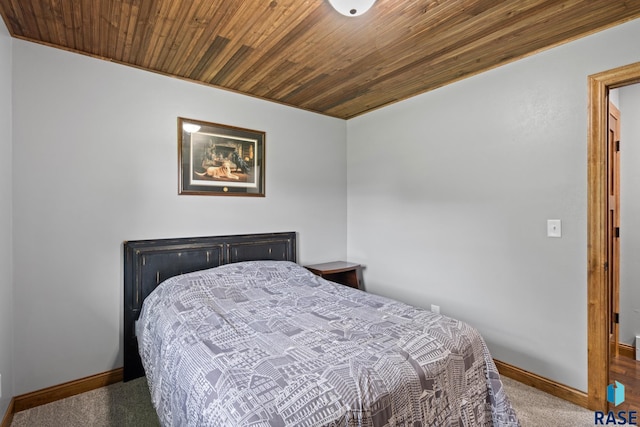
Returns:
<point x="220" y="160"/>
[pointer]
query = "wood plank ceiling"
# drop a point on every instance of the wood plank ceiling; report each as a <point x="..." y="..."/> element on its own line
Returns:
<point x="303" y="53"/>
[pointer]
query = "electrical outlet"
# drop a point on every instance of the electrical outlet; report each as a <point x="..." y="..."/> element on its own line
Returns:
<point x="435" y="308"/>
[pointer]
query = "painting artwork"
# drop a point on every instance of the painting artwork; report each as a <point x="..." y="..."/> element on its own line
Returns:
<point x="220" y="160"/>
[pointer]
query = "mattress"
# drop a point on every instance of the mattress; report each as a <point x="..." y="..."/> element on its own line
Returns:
<point x="267" y="343"/>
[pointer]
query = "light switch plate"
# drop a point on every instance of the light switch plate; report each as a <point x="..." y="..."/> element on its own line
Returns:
<point x="554" y="228"/>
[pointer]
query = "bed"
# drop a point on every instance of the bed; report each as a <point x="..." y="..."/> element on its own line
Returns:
<point x="253" y="339"/>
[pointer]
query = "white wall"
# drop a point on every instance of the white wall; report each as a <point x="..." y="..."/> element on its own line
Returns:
<point x="6" y="279"/>
<point x="449" y="193"/>
<point x="95" y="163"/>
<point x="629" y="104"/>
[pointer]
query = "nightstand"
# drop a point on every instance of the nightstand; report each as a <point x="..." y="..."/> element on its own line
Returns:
<point x="346" y="273"/>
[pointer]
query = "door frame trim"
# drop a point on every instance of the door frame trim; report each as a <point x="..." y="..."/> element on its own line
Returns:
<point x="597" y="322"/>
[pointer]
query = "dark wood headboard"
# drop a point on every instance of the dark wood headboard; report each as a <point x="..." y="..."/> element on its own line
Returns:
<point x="147" y="263"/>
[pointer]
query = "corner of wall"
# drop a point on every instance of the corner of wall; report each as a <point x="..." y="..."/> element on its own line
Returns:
<point x="6" y="221"/>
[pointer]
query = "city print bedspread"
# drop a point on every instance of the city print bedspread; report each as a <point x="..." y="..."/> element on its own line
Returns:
<point x="270" y="344"/>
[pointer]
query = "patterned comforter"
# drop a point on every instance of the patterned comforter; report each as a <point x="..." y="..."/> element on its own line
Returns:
<point x="267" y="343"/>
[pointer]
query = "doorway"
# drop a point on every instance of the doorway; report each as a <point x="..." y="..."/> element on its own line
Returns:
<point x="598" y="216"/>
<point x="613" y="227"/>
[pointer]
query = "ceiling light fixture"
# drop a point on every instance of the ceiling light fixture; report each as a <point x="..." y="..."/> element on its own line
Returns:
<point x="352" y="7"/>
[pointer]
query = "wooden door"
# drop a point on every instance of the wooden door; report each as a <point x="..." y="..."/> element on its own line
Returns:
<point x="613" y="227"/>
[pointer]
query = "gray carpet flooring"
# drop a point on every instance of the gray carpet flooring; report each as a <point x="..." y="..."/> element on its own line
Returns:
<point x="129" y="404"/>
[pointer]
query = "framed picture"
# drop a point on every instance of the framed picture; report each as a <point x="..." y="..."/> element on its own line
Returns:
<point x="220" y="160"/>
